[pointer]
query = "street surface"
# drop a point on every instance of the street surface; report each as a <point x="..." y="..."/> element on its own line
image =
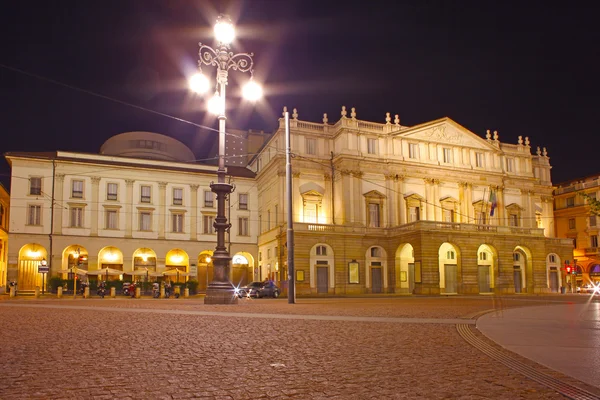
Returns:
<point x="331" y="348"/>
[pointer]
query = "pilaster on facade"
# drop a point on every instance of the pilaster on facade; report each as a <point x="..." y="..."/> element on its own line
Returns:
<point x="162" y="208"/>
<point x="58" y="199"/>
<point x="194" y="212"/>
<point x="129" y="207"/>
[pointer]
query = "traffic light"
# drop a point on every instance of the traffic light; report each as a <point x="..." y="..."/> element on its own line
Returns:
<point x="568" y="268"/>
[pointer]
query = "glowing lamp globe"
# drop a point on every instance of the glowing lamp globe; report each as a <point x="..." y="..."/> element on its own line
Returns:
<point x="216" y="105"/>
<point x="224" y="31"/>
<point x="199" y="83"/>
<point x="252" y="91"/>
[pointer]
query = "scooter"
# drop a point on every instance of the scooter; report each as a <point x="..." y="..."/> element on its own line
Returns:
<point x="131" y="290"/>
<point x="101" y="291"/>
<point x="155" y="290"/>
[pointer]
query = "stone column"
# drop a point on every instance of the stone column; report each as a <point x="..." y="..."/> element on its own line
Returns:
<point x="548" y="216"/>
<point x="327" y="200"/>
<point x="462" y="217"/>
<point x="402" y="211"/>
<point x="58" y="199"/>
<point x="346" y="200"/>
<point x="359" y="203"/>
<point x="95" y="206"/>
<point x="391" y="218"/>
<point x="297" y="203"/>
<point x="162" y="208"/>
<point x="437" y="206"/>
<point x="129" y="207"/>
<point x="470" y="210"/>
<point x="429" y="216"/>
<point x="194" y="213"/>
<point x="500" y="207"/>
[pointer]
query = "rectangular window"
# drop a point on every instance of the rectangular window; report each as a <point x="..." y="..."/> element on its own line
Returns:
<point x="413" y="151"/>
<point x="594" y="240"/>
<point x="276" y="213"/>
<point x="513" y="220"/>
<point x="510" y="164"/>
<point x="371" y="146"/>
<point x="310" y="213"/>
<point x="413" y="214"/>
<point x="447" y="155"/>
<point x="77" y="189"/>
<point x="571" y="201"/>
<point x="111" y="219"/>
<point x="243" y="226"/>
<point x="243" y="201"/>
<point x="483" y="256"/>
<point x="321" y="250"/>
<point x="34" y="216"/>
<point x="571" y="223"/>
<point x="259" y="256"/>
<point x="268" y="254"/>
<point x="145" y="194"/>
<point x="449" y="215"/>
<point x="207" y="224"/>
<point x="177" y="196"/>
<point x="145" y="221"/>
<point x="375" y="251"/>
<point x="479" y="160"/>
<point x="311" y="146"/>
<point x="112" y="191"/>
<point x="483" y="217"/>
<point x="592" y="220"/>
<point x="35" y="186"/>
<point x="177" y="222"/>
<point x="76" y="217"/>
<point x="552" y="258"/>
<point x="450" y="255"/>
<point x="209" y="199"/>
<point x="268" y="219"/>
<point x="259" y="223"/>
<point x="353" y="275"/>
<point x="374" y="215"/>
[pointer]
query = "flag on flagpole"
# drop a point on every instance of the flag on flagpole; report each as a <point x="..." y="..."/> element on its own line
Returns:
<point x="493" y="202"/>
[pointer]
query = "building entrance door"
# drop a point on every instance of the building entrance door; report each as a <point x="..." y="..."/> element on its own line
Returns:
<point x="450" y="277"/>
<point x="484" y="279"/>
<point x="517" y="278"/>
<point x="28" y="277"/>
<point x="376" y="281"/>
<point x="322" y="279"/>
<point x="411" y="278"/>
<point x="553" y="280"/>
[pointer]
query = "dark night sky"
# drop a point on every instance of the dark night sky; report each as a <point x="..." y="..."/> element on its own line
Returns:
<point x="522" y="68"/>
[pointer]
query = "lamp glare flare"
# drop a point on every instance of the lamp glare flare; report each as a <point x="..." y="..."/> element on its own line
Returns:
<point x="252" y="91"/>
<point x="216" y="104"/>
<point x="224" y="31"/>
<point x="199" y="83"/>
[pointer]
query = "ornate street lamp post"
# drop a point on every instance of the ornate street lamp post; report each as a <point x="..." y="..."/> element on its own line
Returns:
<point x="220" y="290"/>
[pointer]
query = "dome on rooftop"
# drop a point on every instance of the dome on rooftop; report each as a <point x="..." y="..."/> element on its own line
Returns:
<point x="149" y="145"/>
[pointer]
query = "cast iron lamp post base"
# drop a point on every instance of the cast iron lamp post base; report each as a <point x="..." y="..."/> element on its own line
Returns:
<point x="220" y="290"/>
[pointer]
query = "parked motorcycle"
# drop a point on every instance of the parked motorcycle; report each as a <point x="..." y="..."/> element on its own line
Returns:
<point x="101" y="290"/>
<point x="156" y="290"/>
<point x="131" y="290"/>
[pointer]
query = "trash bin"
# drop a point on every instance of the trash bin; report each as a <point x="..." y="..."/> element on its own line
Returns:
<point x="562" y="290"/>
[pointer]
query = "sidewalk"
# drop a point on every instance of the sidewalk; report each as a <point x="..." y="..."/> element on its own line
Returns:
<point x="565" y="338"/>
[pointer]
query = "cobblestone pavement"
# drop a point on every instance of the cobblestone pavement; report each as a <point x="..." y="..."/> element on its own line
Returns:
<point x="180" y="348"/>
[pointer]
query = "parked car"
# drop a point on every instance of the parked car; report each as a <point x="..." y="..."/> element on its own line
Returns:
<point x="259" y="289"/>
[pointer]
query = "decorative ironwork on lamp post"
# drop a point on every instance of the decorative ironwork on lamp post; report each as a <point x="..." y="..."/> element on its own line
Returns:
<point x="220" y="290"/>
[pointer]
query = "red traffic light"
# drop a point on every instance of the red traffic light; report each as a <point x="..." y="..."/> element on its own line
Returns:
<point x="568" y="268"/>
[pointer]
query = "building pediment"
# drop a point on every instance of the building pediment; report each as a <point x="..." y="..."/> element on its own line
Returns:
<point x="446" y="131"/>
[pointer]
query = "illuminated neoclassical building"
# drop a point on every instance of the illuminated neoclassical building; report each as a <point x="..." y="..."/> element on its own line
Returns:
<point x="142" y="206"/>
<point x="425" y="209"/>
<point x="4" y="218"/>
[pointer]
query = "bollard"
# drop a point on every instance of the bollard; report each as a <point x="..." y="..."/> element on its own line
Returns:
<point x="177" y="291"/>
<point x="186" y="293"/>
<point x="13" y="292"/>
<point x="138" y="292"/>
<point x="86" y="293"/>
<point x="37" y="292"/>
<point x="59" y="292"/>
<point x="162" y="292"/>
<point x="113" y="292"/>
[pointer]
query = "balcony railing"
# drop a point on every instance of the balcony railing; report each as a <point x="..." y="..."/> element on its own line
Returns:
<point x="419" y="225"/>
<point x="592" y="250"/>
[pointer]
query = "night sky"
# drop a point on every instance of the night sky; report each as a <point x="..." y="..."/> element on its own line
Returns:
<point x="68" y="69"/>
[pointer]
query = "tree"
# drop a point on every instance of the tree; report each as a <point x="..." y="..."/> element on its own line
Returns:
<point x="592" y="202"/>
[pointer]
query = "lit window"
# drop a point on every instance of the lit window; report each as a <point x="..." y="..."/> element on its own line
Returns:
<point x="35" y="186"/>
<point x="483" y="256"/>
<point x="450" y="255"/>
<point x="34" y="215"/>
<point x="310" y="212"/>
<point x="77" y="189"/>
<point x="145" y="194"/>
<point x="177" y="196"/>
<point x="112" y="191"/>
<point x="76" y="216"/>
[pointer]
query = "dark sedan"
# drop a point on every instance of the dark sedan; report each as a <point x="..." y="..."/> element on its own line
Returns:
<point x="259" y="289"/>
